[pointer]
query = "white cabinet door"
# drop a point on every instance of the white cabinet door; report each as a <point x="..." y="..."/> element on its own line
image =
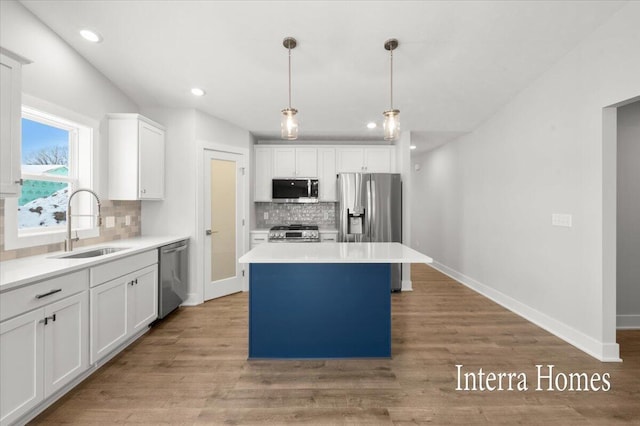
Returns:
<point x="349" y="160"/>
<point x="142" y="303"/>
<point x="151" y="162"/>
<point x="327" y="180"/>
<point x="108" y="317"/>
<point x="21" y="363"/>
<point x="66" y="344"/>
<point x="10" y="119"/>
<point x="284" y="162"/>
<point x="136" y="158"/>
<point x="295" y="162"/>
<point x="263" y="173"/>
<point x="306" y="162"/>
<point x="378" y="160"/>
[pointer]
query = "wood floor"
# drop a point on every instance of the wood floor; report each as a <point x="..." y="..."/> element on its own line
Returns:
<point x="192" y="369"/>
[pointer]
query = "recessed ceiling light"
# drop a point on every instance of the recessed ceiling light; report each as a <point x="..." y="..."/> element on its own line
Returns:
<point x="90" y="35"/>
<point x="196" y="91"/>
<point x="371" y="125"/>
<point x="412" y="147"/>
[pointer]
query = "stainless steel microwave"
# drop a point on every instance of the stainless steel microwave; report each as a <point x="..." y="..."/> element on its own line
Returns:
<point x="300" y="190"/>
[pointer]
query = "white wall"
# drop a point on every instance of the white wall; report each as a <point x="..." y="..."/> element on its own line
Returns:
<point x="178" y="213"/>
<point x="482" y="204"/>
<point x="628" y="268"/>
<point x="59" y="75"/>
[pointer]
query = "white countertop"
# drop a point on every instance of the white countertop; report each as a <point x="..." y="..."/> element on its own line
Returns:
<point x="26" y="270"/>
<point x="334" y="253"/>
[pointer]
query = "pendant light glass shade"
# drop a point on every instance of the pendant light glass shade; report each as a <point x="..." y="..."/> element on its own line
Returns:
<point x="289" y="124"/>
<point x="391" y="124"/>
<point x="289" y="121"/>
<point x="391" y="116"/>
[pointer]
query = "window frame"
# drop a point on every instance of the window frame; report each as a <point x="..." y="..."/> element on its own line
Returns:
<point x="81" y="146"/>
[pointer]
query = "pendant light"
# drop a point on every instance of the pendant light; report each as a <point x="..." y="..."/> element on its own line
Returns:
<point x="391" y="116"/>
<point x="289" y="121"/>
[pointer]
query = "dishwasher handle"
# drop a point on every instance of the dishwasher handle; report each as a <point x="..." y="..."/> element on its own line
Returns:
<point x="173" y="250"/>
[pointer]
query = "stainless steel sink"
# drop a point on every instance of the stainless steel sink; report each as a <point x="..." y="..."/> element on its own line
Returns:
<point x="91" y="253"/>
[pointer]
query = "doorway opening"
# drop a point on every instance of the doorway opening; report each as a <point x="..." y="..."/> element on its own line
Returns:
<point x="621" y="222"/>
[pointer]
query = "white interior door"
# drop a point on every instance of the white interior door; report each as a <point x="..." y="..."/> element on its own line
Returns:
<point x="223" y="223"/>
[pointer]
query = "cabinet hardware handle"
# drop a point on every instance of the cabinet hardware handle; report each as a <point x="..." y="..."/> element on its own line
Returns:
<point x="130" y="282"/>
<point x="46" y="319"/>
<point x="40" y="296"/>
<point x="19" y="182"/>
<point x="136" y="281"/>
<point x="258" y="239"/>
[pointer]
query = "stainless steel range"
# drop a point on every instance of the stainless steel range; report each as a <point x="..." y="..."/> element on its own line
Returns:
<point x="294" y="233"/>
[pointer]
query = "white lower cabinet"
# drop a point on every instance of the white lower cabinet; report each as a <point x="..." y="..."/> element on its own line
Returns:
<point x="259" y="237"/>
<point x="40" y="352"/>
<point x="142" y="303"/>
<point x="108" y="317"/>
<point x="122" y="307"/>
<point x="21" y="353"/>
<point x="328" y="236"/>
<point x="48" y="340"/>
<point x="66" y="341"/>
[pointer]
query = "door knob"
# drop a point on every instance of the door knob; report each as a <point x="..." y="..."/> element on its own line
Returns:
<point x="209" y="232"/>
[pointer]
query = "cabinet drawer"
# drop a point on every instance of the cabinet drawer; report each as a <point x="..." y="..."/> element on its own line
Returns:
<point x="329" y="237"/>
<point x="112" y="270"/>
<point x="36" y="295"/>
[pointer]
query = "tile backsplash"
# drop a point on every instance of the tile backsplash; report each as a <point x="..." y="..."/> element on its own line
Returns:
<point x="121" y="231"/>
<point x="321" y="214"/>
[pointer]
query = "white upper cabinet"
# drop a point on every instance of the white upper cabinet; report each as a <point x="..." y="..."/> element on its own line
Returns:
<point x="379" y="160"/>
<point x="136" y="158"/>
<point x="365" y="159"/>
<point x="10" y="119"/>
<point x="323" y="162"/>
<point x="349" y="160"/>
<point x="295" y="162"/>
<point x="263" y="173"/>
<point x="306" y="162"/>
<point x="327" y="181"/>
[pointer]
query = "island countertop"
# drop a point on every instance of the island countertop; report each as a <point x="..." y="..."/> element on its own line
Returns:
<point x="334" y="253"/>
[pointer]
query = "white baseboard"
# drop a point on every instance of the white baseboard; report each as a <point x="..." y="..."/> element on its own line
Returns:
<point x="407" y="285"/>
<point x="628" y="322"/>
<point x="606" y="352"/>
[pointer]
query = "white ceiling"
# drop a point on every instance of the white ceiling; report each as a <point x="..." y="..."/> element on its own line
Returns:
<point x="456" y="64"/>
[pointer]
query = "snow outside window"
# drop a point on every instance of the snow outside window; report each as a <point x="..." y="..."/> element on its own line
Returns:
<point x="56" y="160"/>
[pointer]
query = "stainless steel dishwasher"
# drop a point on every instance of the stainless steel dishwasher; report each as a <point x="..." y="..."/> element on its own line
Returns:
<point x="173" y="281"/>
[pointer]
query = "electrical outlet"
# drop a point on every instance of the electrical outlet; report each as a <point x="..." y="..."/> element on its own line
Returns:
<point x="326" y="215"/>
<point x="127" y="220"/>
<point x="561" y="219"/>
<point x="110" y="222"/>
<point x="265" y="216"/>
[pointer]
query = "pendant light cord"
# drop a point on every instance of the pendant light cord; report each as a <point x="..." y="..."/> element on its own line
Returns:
<point x="391" y="85"/>
<point x="289" y="48"/>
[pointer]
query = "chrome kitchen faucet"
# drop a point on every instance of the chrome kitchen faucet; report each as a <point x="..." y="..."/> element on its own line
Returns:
<point x="68" y="242"/>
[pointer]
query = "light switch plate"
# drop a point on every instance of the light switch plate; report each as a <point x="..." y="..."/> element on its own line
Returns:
<point x="127" y="220"/>
<point x="561" y="219"/>
<point x="265" y="216"/>
<point x="111" y="222"/>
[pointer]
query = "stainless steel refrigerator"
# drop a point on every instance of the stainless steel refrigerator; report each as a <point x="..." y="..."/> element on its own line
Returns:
<point x="370" y="210"/>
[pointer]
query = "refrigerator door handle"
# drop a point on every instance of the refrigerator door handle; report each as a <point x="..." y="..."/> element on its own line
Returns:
<point x="370" y="213"/>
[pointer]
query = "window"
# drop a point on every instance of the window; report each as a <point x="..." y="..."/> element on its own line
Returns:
<point x="57" y="158"/>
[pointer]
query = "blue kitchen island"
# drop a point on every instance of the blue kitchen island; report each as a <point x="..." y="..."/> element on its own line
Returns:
<point x="322" y="300"/>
